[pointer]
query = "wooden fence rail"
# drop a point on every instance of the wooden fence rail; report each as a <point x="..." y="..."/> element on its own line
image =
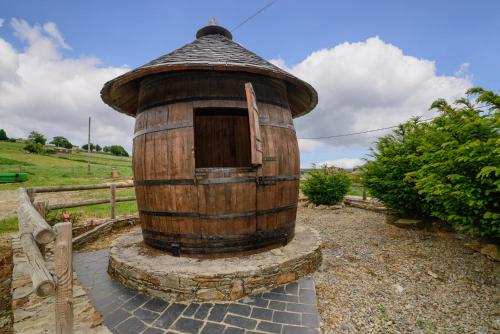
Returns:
<point x="35" y="233"/>
<point x="89" y="202"/>
<point x="81" y="187"/>
<point x="30" y="220"/>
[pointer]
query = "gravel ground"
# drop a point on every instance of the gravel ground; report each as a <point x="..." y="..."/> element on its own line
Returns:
<point x="378" y="278"/>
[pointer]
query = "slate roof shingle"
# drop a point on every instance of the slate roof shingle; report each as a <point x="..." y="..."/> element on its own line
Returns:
<point x="209" y="51"/>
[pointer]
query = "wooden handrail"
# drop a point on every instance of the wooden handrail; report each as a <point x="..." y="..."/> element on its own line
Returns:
<point x="30" y="221"/>
<point x="89" y="202"/>
<point x="35" y="233"/>
<point x="34" y="229"/>
<point x="43" y="283"/>
<point x="81" y="187"/>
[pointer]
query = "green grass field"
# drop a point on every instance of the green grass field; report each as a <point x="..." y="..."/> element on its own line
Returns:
<point x="62" y="169"/>
<point x="71" y="169"/>
<point x="8" y="225"/>
<point x="65" y="169"/>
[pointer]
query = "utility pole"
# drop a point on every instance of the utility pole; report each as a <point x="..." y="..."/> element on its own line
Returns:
<point x="88" y="151"/>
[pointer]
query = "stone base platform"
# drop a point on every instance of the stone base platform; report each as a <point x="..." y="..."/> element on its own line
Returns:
<point x="171" y="278"/>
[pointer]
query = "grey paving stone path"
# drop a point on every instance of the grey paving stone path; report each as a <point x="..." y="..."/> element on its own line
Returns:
<point x="289" y="309"/>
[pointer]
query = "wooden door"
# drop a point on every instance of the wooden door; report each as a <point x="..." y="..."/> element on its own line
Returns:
<point x="253" y="120"/>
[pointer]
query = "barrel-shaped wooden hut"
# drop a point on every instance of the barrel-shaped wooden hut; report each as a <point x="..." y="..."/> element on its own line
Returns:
<point x="215" y="154"/>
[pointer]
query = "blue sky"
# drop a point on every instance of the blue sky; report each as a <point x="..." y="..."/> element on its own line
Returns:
<point x="461" y="39"/>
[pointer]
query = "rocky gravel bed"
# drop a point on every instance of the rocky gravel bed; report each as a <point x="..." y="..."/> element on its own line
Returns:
<point x="378" y="278"/>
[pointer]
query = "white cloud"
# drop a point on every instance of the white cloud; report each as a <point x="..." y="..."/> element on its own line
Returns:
<point x="51" y="29"/>
<point x="463" y="71"/>
<point x="306" y="145"/>
<point x="368" y="85"/>
<point x="346" y="163"/>
<point x="361" y="86"/>
<point x="1" y="22"/>
<point x="42" y="90"/>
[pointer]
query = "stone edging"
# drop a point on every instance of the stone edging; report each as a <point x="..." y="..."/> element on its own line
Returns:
<point x="103" y="228"/>
<point x="189" y="279"/>
<point x="351" y="201"/>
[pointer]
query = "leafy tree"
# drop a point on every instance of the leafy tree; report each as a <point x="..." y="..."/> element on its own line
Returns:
<point x="98" y="148"/>
<point x="460" y="172"/>
<point x="448" y="168"/>
<point x="60" y="141"/>
<point x="85" y="147"/>
<point x="118" y="150"/>
<point x="3" y="135"/>
<point x="105" y="149"/>
<point x="33" y="147"/>
<point x="37" y="137"/>
<point x="395" y="155"/>
<point x="326" y="187"/>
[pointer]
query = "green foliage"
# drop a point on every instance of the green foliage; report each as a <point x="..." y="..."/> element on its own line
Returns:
<point x="3" y="135"/>
<point x="98" y="148"/>
<point x="326" y="187"/>
<point x="117" y="150"/>
<point x="45" y="170"/>
<point x="8" y="225"/>
<point x="6" y="161"/>
<point x="448" y="168"/>
<point x="37" y="137"/>
<point x="60" y="141"/>
<point x="395" y="155"/>
<point x="56" y="216"/>
<point x="33" y="147"/>
<point x="86" y="147"/>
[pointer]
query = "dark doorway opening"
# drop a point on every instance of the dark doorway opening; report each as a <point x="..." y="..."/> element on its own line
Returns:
<point x="221" y="138"/>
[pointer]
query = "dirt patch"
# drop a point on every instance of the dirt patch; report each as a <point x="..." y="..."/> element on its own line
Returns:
<point x="378" y="278"/>
<point x="8" y="200"/>
<point x="8" y="203"/>
<point x="105" y="240"/>
<point x="5" y="283"/>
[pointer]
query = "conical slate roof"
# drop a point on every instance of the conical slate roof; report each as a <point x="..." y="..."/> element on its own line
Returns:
<point x="212" y="50"/>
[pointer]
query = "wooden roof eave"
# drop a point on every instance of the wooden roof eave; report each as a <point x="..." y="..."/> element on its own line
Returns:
<point x="113" y="93"/>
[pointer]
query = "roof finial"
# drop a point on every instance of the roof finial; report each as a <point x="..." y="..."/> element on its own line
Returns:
<point x="213" y="29"/>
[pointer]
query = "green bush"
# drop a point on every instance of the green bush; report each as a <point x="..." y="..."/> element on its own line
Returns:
<point x="61" y="141"/>
<point x="118" y="151"/>
<point x="385" y="176"/>
<point x="326" y="187"/>
<point x="448" y="168"/>
<point x="33" y="147"/>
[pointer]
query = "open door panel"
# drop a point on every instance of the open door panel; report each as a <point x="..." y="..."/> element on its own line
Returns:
<point x="253" y="119"/>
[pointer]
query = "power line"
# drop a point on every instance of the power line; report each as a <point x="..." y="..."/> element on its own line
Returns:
<point x="362" y="132"/>
<point x="254" y="15"/>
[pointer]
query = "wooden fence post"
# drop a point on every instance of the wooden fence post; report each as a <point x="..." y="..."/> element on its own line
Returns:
<point x="364" y="194"/>
<point x="63" y="259"/>
<point x="31" y="194"/>
<point x="113" y="201"/>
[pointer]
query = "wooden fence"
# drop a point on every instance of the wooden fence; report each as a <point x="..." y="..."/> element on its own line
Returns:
<point x="35" y="234"/>
<point x="112" y="199"/>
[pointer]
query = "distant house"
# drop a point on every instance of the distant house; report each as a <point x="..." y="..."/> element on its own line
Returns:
<point x="57" y="149"/>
